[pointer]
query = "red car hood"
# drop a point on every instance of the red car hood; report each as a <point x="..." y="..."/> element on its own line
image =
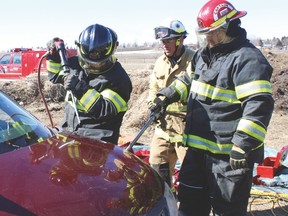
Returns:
<point x="72" y="175"/>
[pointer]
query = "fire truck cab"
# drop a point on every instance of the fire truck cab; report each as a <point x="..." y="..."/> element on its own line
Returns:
<point x="20" y="62"/>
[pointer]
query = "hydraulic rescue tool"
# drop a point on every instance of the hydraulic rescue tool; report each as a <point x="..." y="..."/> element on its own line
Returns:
<point x="60" y="47"/>
<point x="157" y="112"/>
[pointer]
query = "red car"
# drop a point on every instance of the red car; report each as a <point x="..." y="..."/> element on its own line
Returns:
<point x="46" y="172"/>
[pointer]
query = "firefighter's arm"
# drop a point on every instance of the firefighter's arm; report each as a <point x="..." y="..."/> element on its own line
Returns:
<point x="178" y="90"/>
<point x="252" y="127"/>
<point x="55" y="75"/>
<point x="104" y="105"/>
<point x="255" y="94"/>
<point x="97" y="98"/>
<point x="165" y="96"/>
<point x="76" y="83"/>
<point x="53" y="62"/>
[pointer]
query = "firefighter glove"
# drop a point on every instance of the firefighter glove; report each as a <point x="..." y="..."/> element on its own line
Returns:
<point x="76" y="85"/>
<point x="238" y="158"/>
<point x="53" y="51"/>
<point x="170" y="94"/>
<point x="71" y="81"/>
<point x="158" y="107"/>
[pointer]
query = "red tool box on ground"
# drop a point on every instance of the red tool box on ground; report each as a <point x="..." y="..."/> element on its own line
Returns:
<point x="272" y="165"/>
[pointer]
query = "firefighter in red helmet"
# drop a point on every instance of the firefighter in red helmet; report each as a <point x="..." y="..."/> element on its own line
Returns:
<point x="229" y="107"/>
<point x="100" y="86"/>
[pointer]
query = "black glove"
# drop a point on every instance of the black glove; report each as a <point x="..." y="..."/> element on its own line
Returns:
<point x="77" y="85"/>
<point x="71" y="81"/>
<point x="170" y="94"/>
<point x="53" y="51"/>
<point x="238" y="158"/>
<point x="158" y="107"/>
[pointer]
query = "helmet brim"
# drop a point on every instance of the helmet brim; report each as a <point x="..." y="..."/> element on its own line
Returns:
<point x="238" y="15"/>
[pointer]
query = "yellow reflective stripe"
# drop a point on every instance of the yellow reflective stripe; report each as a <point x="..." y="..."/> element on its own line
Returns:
<point x="252" y="129"/>
<point x="258" y="86"/>
<point x="176" y="138"/>
<point x="89" y="98"/>
<point x="62" y="137"/>
<point x="116" y="99"/>
<point x="238" y="149"/>
<point x="109" y="50"/>
<point x="169" y="137"/>
<point x="19" y="128"/>
<point x="40" y="139"/>
<point x="181" y="89"/>
<point x="207" y="145"/>
<point x="53" y="67"/>
<point x="69" y="100"/>
<point x="50" y="142"/>
<point x="176" y="107"/>
<point x="261" y="144"/>
<point x="213" y="92"/>
<point x="223" y="19"/>
<point x="73" y="151"/>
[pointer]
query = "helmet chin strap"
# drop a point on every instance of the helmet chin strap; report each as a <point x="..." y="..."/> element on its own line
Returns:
<point x="177" y="43"/>
<point x="177" y="53"/>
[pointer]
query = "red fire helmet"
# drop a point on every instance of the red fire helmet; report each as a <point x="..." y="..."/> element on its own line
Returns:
<point x="216" y="13"/>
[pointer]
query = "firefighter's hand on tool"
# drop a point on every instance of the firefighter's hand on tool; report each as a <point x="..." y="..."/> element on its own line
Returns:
<point x="238" y="158"/>
<point x="152" y="106"/>
<point x="77" y="86"/>
<point x="53" y="52"/>
<point x="70" y="82"/>
<point x="170" y="94"/>
<point x="156" y="105"/>
<point x="158" y="108"/>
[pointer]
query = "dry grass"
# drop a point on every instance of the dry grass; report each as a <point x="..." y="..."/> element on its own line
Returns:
<point x="277" y="135"/>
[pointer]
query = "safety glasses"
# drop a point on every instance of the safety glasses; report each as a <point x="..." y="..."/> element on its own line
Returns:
<point x="163" y="32"/>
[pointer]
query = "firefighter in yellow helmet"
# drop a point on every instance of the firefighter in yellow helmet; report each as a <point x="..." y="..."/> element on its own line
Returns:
<point x="166" y="145"/>
<point x="229" y="107"/>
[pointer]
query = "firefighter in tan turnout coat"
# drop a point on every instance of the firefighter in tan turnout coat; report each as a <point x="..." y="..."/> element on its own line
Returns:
<point x="166" y="145"/>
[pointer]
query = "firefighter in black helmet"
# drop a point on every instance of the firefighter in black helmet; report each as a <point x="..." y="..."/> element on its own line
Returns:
<point x="99" y="85"/>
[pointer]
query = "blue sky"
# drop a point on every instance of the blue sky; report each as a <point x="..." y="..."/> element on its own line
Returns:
<point x="32" y="23"/>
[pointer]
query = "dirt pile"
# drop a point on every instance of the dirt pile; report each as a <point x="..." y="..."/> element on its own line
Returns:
<point x="279" y="80"/>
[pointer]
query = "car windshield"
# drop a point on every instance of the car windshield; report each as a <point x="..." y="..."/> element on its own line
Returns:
<point x="18" y="128"/>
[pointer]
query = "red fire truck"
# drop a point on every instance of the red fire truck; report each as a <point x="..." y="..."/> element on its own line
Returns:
<point x="20" y="62"/>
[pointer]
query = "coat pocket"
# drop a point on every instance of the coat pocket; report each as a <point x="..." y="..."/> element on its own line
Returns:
<point x="233" y="185"/>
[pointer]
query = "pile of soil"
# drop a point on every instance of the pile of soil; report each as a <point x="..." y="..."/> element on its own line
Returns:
<point x="279" y="80"/>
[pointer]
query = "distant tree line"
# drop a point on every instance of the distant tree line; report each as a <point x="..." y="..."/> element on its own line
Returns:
<point x="137" y="45"/>
<point x="271" y="43"/>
